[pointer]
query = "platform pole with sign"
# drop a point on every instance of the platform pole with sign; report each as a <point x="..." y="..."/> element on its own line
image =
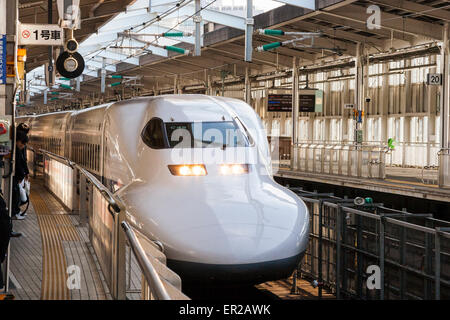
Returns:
<point x="444" y="158"/>
<point x="445" y="88"/>
<point x="50" y="48"/>
<point x="7" y="97"/>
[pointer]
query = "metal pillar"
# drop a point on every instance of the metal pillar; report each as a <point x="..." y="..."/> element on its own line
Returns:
<point x="445" y="90"/>
<point x="197" y="20"/>
<point x="295" y="111"/>
<point x="78" y="84"/>
<point x="103" y="75"/>
<point x="248" y="87"/>
<point x="45" y="96"/>
<point x="175" y="84"/>
<point x="437" y="262"/>
<point x="210" y="88"/>
<point x="50" y="48"/>
<point x="359" y="84"/>
<point x="7" y="106"/>
<point x="249" y="31"/>
<point x="381" y="254"/>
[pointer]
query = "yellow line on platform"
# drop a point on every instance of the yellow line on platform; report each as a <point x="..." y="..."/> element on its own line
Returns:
<point x="55" y="228"/>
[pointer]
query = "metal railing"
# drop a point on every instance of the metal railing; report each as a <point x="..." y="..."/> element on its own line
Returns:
<point x="411" y="251"/>
<point x="444" y="168"/>
<point x="158" y="281"/>
<point x="336" y="159"/>
<point x="404" y="154"/>
<point x="81" y="192"/>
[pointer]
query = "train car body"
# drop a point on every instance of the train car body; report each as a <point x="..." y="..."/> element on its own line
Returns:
<point x="221" y="225"/>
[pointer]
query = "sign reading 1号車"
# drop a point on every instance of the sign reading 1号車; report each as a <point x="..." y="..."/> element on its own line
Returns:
<point x="3" y="59"/>
<point x="41" y="34"/>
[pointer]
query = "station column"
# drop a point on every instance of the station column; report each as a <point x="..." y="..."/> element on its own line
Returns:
<point x="8" y="11"/>
<point x="445" y="92"/>
<point x="295" y="112"/>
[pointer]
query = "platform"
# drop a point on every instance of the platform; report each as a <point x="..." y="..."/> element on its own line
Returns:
<point x="52" y="241"/>
<point x="397" y="182"/>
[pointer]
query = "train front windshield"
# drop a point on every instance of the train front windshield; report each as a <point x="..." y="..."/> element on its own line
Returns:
<point x="205" y="134"/>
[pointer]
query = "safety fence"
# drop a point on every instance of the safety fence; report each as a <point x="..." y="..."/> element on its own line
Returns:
<point x="359" y="249"/>
<point x="109" y="233"/>
<point x="425" y="163"/>
<point x="444" y="167"/>
<point x="346" y="160"/>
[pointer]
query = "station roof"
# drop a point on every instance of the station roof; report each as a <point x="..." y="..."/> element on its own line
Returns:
<point x="94" y="13"/>
<point x="343" y="24"/>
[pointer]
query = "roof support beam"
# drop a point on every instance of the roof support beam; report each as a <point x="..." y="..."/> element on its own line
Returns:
<point x="225" y="19"/>
<point x="308" y="4"/>
<point x="390" y="21"/>
<point x="118" y="57"/>
<point x="414" y="7"/>
<point x="99" y="65"/>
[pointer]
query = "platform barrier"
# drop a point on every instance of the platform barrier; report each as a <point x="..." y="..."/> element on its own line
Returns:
<point x="444" y="168"/>
<point x="353" y="248"/>
<point x="346" y="160"/>
<point x="81" y="192"/>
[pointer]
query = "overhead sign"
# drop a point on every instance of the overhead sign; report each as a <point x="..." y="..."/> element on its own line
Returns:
<point x="349" y="106"/>
<point x="41" y="34"/>
<point x="3" y="59"/>
<point x="307" y="100"/>
<point x="310" y="100"/>
<point x="434" y="79"/>
<point x="279" y="103"/>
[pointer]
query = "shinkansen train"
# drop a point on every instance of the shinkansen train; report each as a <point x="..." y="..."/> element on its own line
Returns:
<point x="195" y="173"/>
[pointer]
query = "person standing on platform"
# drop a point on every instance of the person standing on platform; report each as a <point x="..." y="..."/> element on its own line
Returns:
<point x="20" y="173"/>
<point x="23" y="128"/>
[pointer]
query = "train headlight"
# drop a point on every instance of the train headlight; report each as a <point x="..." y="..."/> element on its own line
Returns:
<point x="187" y="169"/>
<point x="228" y="169"/>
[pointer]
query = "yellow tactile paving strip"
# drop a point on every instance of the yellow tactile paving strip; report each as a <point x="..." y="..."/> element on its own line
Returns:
<point x="55" y="228"/>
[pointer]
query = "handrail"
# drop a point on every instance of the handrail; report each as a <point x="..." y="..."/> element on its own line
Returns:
<point x="147" y="268"/>
<point x="58" y="157"/>
<point x="101" y="188"/>
<point x="109" y="197"/>
<point x="150" y="274"/>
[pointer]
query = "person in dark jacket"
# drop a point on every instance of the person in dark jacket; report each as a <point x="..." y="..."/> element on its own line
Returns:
<point x="23" y="127"/>
<point x="20" y="173"/>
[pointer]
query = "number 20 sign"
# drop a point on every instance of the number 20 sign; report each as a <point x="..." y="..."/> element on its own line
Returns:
<point x="41" y="34"/>
<point x="434" y="79"/>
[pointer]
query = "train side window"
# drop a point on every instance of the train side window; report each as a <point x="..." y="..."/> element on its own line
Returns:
<point x="153" y="134"/>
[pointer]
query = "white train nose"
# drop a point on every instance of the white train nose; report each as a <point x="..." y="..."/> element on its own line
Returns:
<point x="236" y="244"/>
